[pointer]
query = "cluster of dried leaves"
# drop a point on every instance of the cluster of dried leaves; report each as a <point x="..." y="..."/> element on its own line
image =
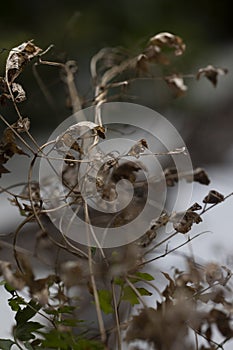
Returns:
<point x="196" y="300"/>
<point x="109" y="65"/>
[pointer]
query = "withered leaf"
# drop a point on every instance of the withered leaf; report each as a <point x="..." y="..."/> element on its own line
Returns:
<point x="184" y="221"/>
<point x="18" y="92"/>
<point x="195" y="207"/>
<point x="153" y="54"/>
<point x="169" y="40"/>
<point x="213" y="273"/>
<point x="18" y="57"/>
<point x="211" y="73"/>
<point x="8" y="148"/>
<point x="21" y="125"/>
<point x="142" y="63"/>
<point x="125" y="171"/>
<point x="79" y="137"/>
<point x="34" y="188"/>
<point x="171" y="176"/>
<point x="100" y="131"/>
<point x="199" y="175"/>
<point x="147" y="238"/>
<point x="71" y="273"/>
<point x="151" y="234"/>
<point x="213" y="197"/>
<point x="8" y="144"/>
<point x="14" y="279"/>
<point x="39" y="288"/>
<point x="4" y="91"/>
<point x="176" y="83"/>
<point x="222" y="321"/>
<point x="138" y="148"/>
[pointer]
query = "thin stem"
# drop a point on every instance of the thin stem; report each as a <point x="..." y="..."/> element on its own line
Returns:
<point x="116" y="315"/>
<point x="173" y="249"/>
<point x="94" y="287"/>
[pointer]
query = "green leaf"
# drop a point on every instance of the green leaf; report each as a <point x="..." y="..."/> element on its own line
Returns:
<point x="70" y="322"/>
<point x="23" y="331"/>
<point x="119" y="281"/>
<point x="85" y="344"/>
<point x="144" y="291"/>
<point x="105" y="299"/>
<point x="145" y="276"/>
<point x="6" y="344"/>
<point x="66" y="309"/>
<point x="57" y="340"/>
<point x="51" y="311"/>
<point x="130" y="296"/>
<point x="10" y="289"/>
<point x="15" y="303"/>
<point x="28" y="312"/>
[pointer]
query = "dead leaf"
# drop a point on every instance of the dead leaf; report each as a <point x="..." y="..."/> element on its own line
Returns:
<point x="199" y="175"/>
<point x="213" y="273"/>
<point x="126" y="171"/>
<point x="195" y="207"/>
<point x="71" y="273"/>
<point x="142" y="63"/>
<point x="34" y="189"/>
<point x="222" y="321"/>
<point x="8" y="148"/>
<point x="153" y="54"/>
<point x="22" y="125"/>
<point x="137" y="149"/>
<point x="171" y="176"/>
<point x="213" y="197"/>
<point x="4" y="92"/>
<point x="176" y="83"/>
<point x="169" y="40"/>
<point x="18" y="92"/>
<point x="14" y="279"/>
<point x="18" y="57"/>
<point x="39" y="288"/>
<point x="182" y="222"/>
<point x="211" y="73"/>
<point x="100" y="131"/>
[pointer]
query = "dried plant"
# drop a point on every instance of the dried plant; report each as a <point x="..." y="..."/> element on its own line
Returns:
<point x="197" y="300"/>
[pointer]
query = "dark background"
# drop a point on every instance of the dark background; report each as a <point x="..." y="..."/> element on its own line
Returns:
<point x="78" y="29"/>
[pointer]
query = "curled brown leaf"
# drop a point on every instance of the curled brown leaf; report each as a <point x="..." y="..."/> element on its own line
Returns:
<point x="138" y="148"/>
<point x="18" y="57"/>
<point x="213" y="273"/>
<point x="169" y="40"/>
<point x="213" y="197"/>
<point x="182" y="222"/>
<point x="176" y="83"/>
<point x="211" y="73"/>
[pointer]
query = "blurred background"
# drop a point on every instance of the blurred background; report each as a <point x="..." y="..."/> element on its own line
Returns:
<point x="79" y="29"/>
